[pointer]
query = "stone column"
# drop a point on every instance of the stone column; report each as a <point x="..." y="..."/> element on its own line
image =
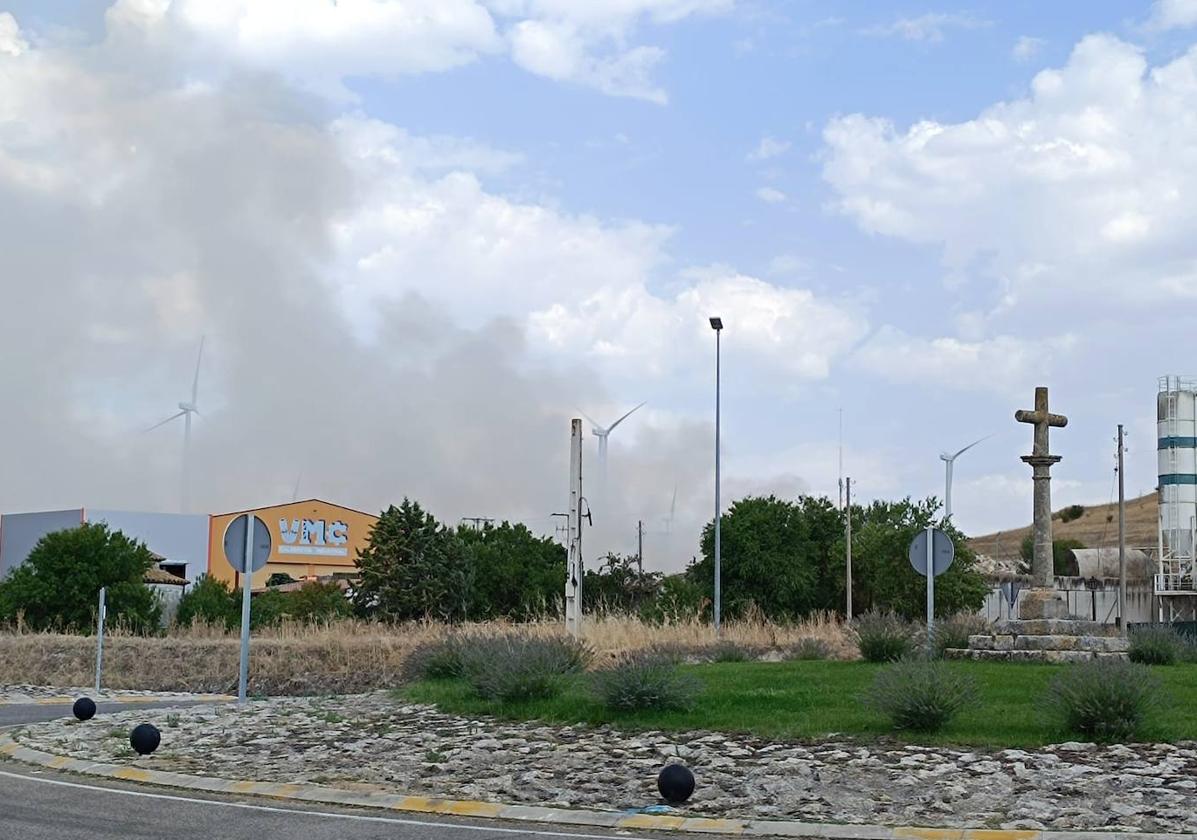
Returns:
<point x="1042" y="561"/>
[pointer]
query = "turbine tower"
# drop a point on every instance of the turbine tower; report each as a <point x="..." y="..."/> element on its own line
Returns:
<point x="603" y="434"/>
<point x="949" y="462"/>
<point x="186" y="409"/>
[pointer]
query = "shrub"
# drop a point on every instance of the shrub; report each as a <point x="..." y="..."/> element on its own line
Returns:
<point x="954" y="632"/>
<point x="510" y="668"/>
<point x="1072" y="512"/>
<point x="1104" y="699"/>
<point x="920" y="695"/>
<point x="808" y="648"/>
<point x="437" y="660"/>
<point x="1156" y="644"/>
<point x="317" y="601"/>
<point x="883" y="636"/>
<point x="646" y="681"/>
<point x="209" y="601"/>
<point x="729" y="651"/>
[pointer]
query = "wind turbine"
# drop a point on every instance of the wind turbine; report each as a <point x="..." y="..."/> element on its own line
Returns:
<point x="949" y="462"/>
<point x="186" y="409"/>
<point x="602" y="434"/>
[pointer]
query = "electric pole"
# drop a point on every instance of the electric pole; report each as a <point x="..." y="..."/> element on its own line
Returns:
<point x="640" y="545"/>
<point x="848" y="540"/>
<point x="1121" y="535"/>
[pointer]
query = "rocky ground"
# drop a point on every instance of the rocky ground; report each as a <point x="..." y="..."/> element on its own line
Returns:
<point x="373" y="741"/>
<point x="35" y="693"/>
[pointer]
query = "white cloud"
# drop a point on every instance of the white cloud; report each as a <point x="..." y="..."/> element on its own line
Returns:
<point x="11" y="41"/>
<point x="1003" y="363"/>
<point x="1173" y="14"/>
<point x="633" y="330"/>
<point x="769" y="147"/>
<point x="770" y="195"/>
<point x="1027" y="47"/>
<point x="1086" y="187"/>
<point x="929" y="27"/>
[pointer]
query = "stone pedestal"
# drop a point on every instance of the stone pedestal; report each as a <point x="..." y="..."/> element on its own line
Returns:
<point x="1042" y="603"/>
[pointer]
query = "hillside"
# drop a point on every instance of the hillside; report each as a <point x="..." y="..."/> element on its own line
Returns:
<point x="1096" y="528"/>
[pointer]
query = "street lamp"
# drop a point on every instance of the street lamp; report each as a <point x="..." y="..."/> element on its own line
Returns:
<point x="949" y="462"/>
<point x="717" y="326"/>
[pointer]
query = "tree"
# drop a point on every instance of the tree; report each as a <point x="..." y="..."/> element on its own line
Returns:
<point x="209" y="600"/>
<point x="412" y="568"/>
<point x="58" y="585"/>
<point x="1060" y="548"/>
<point x="316" y="602"/>
<point x="516" y="574"/>
<point x="619" y="586"/>
<point x="776" y="554"/>
<point x="882" y="576"/>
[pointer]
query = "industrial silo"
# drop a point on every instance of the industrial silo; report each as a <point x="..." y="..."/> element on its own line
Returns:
<point x="1177" y="449"/>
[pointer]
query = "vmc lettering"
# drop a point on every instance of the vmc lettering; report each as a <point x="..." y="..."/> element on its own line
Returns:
<point x="314" y="537"/>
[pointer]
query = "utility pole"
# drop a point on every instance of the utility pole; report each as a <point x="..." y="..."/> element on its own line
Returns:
<point x="1121" y="535"/>
<point x="573" y="577"/>
<point x="841" y="479"/>
<point x="640" y="545"/>
<point x="848" y="540"/>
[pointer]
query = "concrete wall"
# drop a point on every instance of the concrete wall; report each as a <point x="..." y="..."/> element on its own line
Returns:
<point x="180" y="538"/>
<point x="1098" y="603"/>
<point x="20" y="532"/>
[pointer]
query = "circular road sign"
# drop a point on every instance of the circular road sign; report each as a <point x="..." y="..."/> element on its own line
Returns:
<point x="942" y="550"/>
<point x="234" y="543"/>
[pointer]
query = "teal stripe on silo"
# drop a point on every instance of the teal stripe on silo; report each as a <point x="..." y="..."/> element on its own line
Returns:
<point x="1178" y="443"/>
<point x="1178" y="478"/>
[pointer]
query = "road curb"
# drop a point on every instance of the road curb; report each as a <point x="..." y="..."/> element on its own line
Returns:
<point x="66" y="700"/>
<point x="320" y="794"/>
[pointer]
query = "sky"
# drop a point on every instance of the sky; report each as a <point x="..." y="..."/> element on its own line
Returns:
<point x="418" y="236"/>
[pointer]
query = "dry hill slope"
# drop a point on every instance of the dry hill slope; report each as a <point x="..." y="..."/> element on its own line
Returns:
<point x="1096" y="528"/>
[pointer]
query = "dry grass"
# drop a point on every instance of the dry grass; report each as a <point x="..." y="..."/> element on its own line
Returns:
<point x="1096" y="528"/>
<point x="343" y="657"/>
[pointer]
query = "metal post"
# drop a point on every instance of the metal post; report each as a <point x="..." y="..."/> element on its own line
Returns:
<point x="1121" y="537"/>
<point x="848" y="539"/>
<point x="573" y="539"/>
<point x="718" y="506"/>
<point x="930" y="585"/>
<point x="640" y="545"/>
<point x="246" y="576"/>
<point x="101" y="614"/>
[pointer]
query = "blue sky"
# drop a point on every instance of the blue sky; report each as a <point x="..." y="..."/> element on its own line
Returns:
<point x="913" y="212"/>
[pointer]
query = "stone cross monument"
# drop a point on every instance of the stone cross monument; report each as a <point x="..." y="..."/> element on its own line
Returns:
<point x="1042" y="601"/>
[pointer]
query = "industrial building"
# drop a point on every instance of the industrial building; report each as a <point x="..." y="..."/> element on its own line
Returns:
<point x="1176" y="415"/>
<point x="309" y="539"/>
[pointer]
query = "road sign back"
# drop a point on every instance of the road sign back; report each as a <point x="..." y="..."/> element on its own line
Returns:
<point x="942" y="550"/>
<point x="234" y="543"/>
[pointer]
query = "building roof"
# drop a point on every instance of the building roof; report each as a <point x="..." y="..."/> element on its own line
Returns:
<point x="1103" y="563"/>
<point x="296" y="502"/>
<point x="156" y="575"/>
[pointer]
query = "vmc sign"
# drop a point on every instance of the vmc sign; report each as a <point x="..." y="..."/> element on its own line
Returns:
<point x="314" y="537"/>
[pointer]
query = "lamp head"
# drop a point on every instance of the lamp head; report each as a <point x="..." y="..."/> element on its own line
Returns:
<point x="716" y="323"/>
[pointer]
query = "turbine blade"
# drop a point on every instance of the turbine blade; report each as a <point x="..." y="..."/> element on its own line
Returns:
<point x="625" y="417"/>
<point x="970" y="446"/>
<point x="167" y="420"/>
<point x="595" y="427"/>
<point x="195" y="382"/>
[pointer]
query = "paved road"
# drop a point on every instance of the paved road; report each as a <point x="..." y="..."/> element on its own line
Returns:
<point x="11" y="715"/>
<point x="36" y="804"/>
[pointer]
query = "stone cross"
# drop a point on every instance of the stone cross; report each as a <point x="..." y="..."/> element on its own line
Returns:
<point x="1041" y="461"/>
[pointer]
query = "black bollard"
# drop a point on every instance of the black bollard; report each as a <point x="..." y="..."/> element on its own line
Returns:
<point x="84" y="708"/>
<point x="145" y="738"/>
<point x="676" y="783"/>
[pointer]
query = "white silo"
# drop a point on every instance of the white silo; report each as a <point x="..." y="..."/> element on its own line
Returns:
<point x="1177" y="450"/>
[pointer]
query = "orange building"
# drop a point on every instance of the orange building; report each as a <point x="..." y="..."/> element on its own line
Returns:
<point x="307" y="540"/>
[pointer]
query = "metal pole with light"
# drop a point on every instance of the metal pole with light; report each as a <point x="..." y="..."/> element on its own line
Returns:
<point x="717" y="326"/>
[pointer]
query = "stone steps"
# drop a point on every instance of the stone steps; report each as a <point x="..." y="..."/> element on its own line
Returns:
<point x="1045" y="640"/>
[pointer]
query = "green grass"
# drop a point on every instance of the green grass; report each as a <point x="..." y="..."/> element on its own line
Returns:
<point x="810" y="699"/>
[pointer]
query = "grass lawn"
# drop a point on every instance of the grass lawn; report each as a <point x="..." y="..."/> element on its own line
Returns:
<point x="805" y="700"/>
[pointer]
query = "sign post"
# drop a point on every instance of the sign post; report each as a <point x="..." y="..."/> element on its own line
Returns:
<point x="101" y="614"/>
<point x="247" y="550"/>
<point x="931" y="554"/>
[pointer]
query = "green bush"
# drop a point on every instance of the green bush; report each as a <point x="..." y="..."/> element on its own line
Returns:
<point x="1072" y="512"/>
<point x="512" y="668"/>
<point x="883" y="636"/>
<point x="211" y="601"/>
<point x="729" y="651"/>
<point x="1156" y="644"/>
<point x="646" y="681"/>
<point x="953" y="632"/>
<point x="920" y="695"/>
<point x="439" y="660"/>
<point x="807" y="649"/>
<point x="317" y="602"/>
<point x="1104" y="699"/>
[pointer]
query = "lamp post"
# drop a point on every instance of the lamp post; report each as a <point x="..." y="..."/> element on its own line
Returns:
<point x="717" y="326"/>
